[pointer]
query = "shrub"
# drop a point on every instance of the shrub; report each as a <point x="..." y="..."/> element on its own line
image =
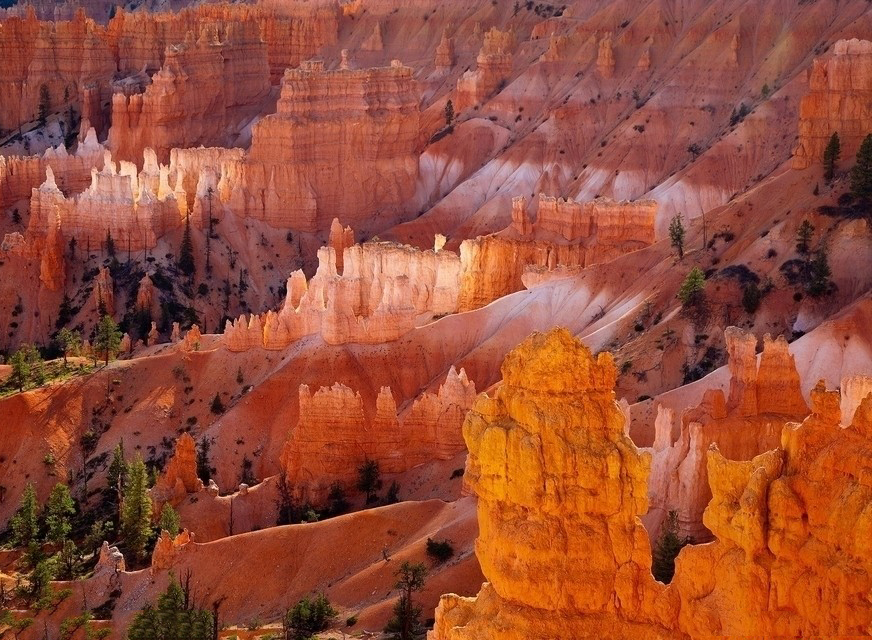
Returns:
<point x="439" y="550"/>
<point x="309" y="616"/>
<point x="217" y="406"/>
<point x="666" y="549"/>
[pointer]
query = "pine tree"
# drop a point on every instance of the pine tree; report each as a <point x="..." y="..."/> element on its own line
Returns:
<point x="449" y="113"/>
<point x="70" y="342"/>
<point x="676" y="236"/>
<point x="25" y="523"/>
<point x="406" y="621"/>
<point x="861" y="174"/>
<point x="169" y="520"/>
<point x="831" y="156"/>
<point x="804" y="234"/>
<point x="819" y="273"/>
<point x="108" y="337"/>
<point x="20" y="368"/>
<point x="136" y="509"/>
<point x="44" y="104"/>
<point x="692" y="291"/>
<point x="110" y="244"/>
<point x="58" y="510"/>
<point x="369" y="479"/>
<point x="186" y="252"/>
<point x="666" y="549"/>
<point x="171" y="619"/>
<point x="204" y="471"/>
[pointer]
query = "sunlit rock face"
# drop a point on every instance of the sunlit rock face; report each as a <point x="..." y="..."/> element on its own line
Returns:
<point x="839" y="101"/>
<point x="560" y="487"/>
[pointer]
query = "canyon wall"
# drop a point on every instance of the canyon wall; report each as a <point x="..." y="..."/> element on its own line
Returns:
<point x="494" y="66"/>
<point x="565" y="233"/>
<point x="336" y="433"/>
<point x="560" y="488"/>
<point x="20" y="175"/>
<point x="203" y="94"/>
<point x="762" y="397"/>
<point x="383" y="290"/>
<point x="77" y="56"/>
<point x="839" y="101"/>
<point x="342" y="144"/>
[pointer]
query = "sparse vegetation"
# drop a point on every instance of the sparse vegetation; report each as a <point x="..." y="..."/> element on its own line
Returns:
<point x="306" y="618"/>
<point x="405" y="624"/>
<point x="369" y="479"/>
<point x="439" y="550"/>
<point x="831" y="157"/>
<point x="676" y="236"/>
<point x="667" y="548"/>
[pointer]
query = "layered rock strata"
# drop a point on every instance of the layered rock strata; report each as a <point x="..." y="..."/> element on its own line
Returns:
<point x="336" y="433"/>
<point x="762" y="396"/>
<point x="200" y="96"/>
<point x="383" y="290"/>
<point x="494" y="66"/>
<point x="565" y="233"/>
<point x="839" y="101"/>
<point x="560" y="487"/>
<point x="342" y="144"/>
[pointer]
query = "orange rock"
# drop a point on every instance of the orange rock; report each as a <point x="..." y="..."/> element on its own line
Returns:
<point x="444" y="53"/>
<point x="557" y="478"/>
<point x="838" y="101"/>
<point x="318" y="157"/>
<point x="336" y="433"/>
<point x="167" y="550"/>
<point x="179" y="477"/>
<point x="605" y="59"/>
<point x="494" y="65"/>
<point x="177" y="109"/>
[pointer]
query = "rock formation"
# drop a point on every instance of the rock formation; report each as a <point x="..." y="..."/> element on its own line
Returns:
<point x="839" y="99"/>
<point x="336" y="433"/>
<point x="605" y="59"/>
<point x="444" y="53"/>
<point x="559" y="488"/>
<point x="383" y="290"/>
<point x="20" y="175"/>
<point x="200" y="95"/>
<point x="494" y="66"/>
<point x="342" y="144"/>
<point x="566" y="233"/>
<point x="179" y="477"/>
<point x="744" y="423"/>
<point x="78" y="60"/>
<point x="167" y="550"/>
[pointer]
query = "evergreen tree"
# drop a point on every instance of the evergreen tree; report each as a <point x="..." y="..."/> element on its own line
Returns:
<point x="819" y="273"/>
<point x="69" y="559"/>
<point x="804" y="234"/>
<point x="186" y="252"/>
<point x="369" y="479"/>
<point x="204" y="471"/>
<point x="25" y="522"/>
<point x="44" y="104"/>
<point x="70" y="342"/>
<point x="20" y="368"/>
<point x="676" y="236"/>
<point x="449" y="113"/>
<point x="309" y="616"/>
<point x="692" y="291"/>
<point x="217" y="405"/>
<point x="406" y="621"/>
<point x="831" y="156"/>
<point x="108" y="338"/>
<point x="861" y="174"/>
<point x="171" y="619"/>
<point x="110" y="244"/>
<point x="666" y="549"/>
<point x="58" y="510"/>
<point x="136" y="508"/>
<point x="169" y="520"/>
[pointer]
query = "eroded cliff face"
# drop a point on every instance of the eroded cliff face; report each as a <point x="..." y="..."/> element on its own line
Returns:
<point x="762" y="396"/>
<point x="494" y="67"/>
<point x="342" y="145"/>
<point x="383" y="291"/>
<point x="565" y="233"/>
<point x="838" y="101"/>
<point x="203" y="94"/>
<point x="560" y="487"/>
<point x="179" y="477"/>
<point x="336" y="433"/>
<point x="77" y="60"/>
